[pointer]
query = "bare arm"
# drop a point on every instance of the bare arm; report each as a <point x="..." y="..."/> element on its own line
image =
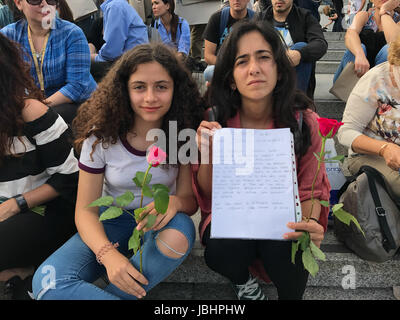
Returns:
<point x="353" y="43"/>
<point x="183" y="201"/>
<point x="204" y="143"/>
<point x="56" y="99"/>
<point x="210" y="49"/>
<point x="389" y="151"/>
<point x="119" y="269"/>
<point x="390" y="28"/>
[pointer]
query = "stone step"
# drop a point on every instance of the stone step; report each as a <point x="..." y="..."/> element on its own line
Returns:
<point x="336" y="45"/>
<point x="326" y="67"/>
<point x="223" y="291"/>
<point x="333" y="55"/>
<point x="339" y="265"/>
<point x="328" y="108"/>
<point x="334" y="36"/>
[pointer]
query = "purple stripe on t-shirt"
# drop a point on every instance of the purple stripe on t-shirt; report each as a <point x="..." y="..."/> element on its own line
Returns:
<point x="131" y="149"/>
<point x="91" y="170"/>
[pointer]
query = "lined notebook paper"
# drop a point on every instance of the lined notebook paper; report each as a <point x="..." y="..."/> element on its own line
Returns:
<point x="254" y="192"/>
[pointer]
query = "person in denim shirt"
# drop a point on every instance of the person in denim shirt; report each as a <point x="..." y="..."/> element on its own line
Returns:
<point x="123" y="30"/>
<point x="58" y="53"/>
<point x="174" y="30"/>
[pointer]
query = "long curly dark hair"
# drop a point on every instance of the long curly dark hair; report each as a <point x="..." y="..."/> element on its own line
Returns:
<point x="108" y="114"/>
<point x="286" y="98"/>
<point x="16" y="85"/>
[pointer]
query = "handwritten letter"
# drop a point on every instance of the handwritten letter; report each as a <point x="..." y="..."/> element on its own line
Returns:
<point x="254" y="191"/>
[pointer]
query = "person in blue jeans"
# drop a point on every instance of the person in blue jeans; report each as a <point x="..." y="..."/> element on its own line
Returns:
<point x="146" y="89"/>
<point x="369" y="36"/>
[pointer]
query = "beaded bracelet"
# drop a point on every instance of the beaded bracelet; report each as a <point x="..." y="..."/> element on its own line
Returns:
<point x="104" y="249"/>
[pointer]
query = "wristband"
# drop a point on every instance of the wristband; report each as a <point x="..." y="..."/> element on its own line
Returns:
<point x="382" y="148"/>
<point x="21" y="202"/>
<point x="315" y="219"/>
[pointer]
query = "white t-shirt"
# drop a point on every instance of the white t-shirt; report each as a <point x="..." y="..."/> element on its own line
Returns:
<point x="119" y="162"/>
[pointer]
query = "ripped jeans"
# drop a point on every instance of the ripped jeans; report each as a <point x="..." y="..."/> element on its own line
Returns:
<point x="69" y="272"/>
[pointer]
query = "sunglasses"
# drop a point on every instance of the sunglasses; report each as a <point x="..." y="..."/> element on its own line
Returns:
<point x="37" y="2"/>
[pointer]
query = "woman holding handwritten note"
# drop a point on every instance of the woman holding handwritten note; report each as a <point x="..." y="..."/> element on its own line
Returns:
<point x="254" y="87"/>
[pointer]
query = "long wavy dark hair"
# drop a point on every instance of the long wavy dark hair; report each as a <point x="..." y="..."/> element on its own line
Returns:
<point x="174" y="19"/>
<point x="108" y="114"/>
<point x="16" y="85"/>
<point x="287" y="100"/>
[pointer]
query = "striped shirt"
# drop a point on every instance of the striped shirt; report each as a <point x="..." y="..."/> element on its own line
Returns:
<point x="66" y="65"/>
<point x="45" y="155"/>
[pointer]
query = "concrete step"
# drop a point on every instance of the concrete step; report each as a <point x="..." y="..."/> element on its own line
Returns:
<point x="333" y="272"/>
<point x="327" y="67"/>
<point x="336" y="44"/>
<point x="194" y="291"/>
<point x="333" y="55"/>
<point x="330" y="108"/>
<point x="334" y="36"/>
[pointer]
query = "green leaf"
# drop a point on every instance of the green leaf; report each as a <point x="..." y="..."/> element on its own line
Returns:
<point x="295" y="248"/>
<point x="151" y="218"/>
<point x="309" y="262"/>
<point x="158" y="186"/>
<point x="140" y="177"/>
<point x="317" y="156"/>
<point x="138" y="212"/>
<point x="337" y="206"/>
<point x="304" y="241"/>
<point x="346" y="218"/>
<point x="324" y="203"/>
<point x="161" y="201"/>
<point x="111" y="213"/>
<point x="39" y="210"/>
<point x="137" y="182"/>
<point x="103" y="201"/>
<point x="147" y="192"/>
<point x="317" y="252"/>
<point x="125" y="199"/>
<point x="134" y="241"/>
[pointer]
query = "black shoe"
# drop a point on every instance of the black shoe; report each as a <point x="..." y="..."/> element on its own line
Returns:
<point x="19" y="289"/>
<point x="200" y="66"/>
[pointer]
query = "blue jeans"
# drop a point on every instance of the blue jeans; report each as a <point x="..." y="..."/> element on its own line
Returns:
<point x="208" y="73"/>
<point x="69" y="272"/>
<point x="349" y="57"/>
<point x="303" y="70"/>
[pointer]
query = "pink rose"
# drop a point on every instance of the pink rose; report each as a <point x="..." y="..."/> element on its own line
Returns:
<point x="156" y="156"/>
<point x="326" y="125"/>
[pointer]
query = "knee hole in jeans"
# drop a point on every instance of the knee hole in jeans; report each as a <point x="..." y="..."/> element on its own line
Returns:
<point x="172" y="243"/>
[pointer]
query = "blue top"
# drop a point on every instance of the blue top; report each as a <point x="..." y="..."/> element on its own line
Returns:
<point x="182" y="41"/>
<point x="123" y="29"/>
<point x="66" y="65"/>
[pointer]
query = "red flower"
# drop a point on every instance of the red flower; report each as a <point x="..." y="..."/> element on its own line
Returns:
<point x="326" y="125"/>
<point x="156" y="156"/>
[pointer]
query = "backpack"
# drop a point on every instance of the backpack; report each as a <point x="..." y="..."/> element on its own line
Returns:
<point x="6" y="16"/>
<point x="224" y="21"/>
<point x="368" y="199"/>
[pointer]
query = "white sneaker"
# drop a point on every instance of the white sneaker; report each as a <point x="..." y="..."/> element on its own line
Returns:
<point x="251" y="290"/>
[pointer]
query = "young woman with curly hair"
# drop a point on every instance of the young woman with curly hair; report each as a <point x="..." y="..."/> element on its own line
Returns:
<point x="37" y="168"/>
<point x="146" y="89"/>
